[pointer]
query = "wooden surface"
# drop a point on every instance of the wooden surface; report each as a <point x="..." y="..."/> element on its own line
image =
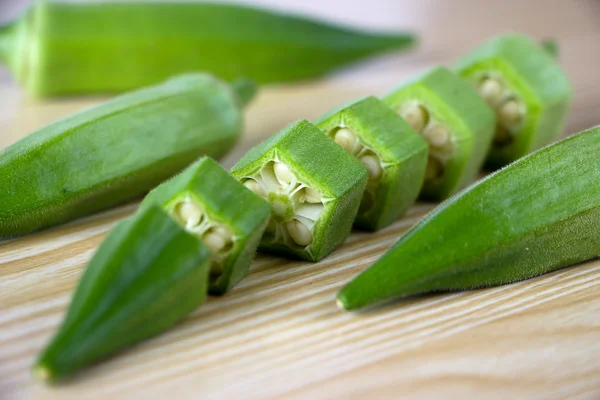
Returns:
<point x="279" y="334"/>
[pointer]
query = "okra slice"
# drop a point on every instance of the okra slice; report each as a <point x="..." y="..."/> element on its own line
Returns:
<point x="456" y="123"/>
<point x="539" y="214"/>
<point x="527" y="89"/>
<point x="392" y="152"/>
<point x="314" y="187"/>
<point x="147" y="274"/>
<point x="213" y="206"/>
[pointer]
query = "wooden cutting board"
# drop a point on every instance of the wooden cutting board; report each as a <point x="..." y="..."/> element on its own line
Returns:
<point x="279" y="333"/>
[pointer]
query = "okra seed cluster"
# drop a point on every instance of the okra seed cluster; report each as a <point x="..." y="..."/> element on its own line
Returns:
<point x="437" y="136"/>
<point x="508" y="108"/>
<point x="296" y="207"/>
<point x="351" y="143"/>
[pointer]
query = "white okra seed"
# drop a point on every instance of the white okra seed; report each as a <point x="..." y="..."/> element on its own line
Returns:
<point x="371" y="163"/>
<point x="189" y="213"/>
<point x="509" y="112"/>
<point x="299" y="232"/>
<point x="283" y="174"/>
<point x="255" y="187"/>
<point x="490" y="90"/>
<point x="416" y="116"/>
<point x="311" y="195"/>
<point x="214" y="240"/>
<point x="436" y="135"/>
<point x="348" y="140"/>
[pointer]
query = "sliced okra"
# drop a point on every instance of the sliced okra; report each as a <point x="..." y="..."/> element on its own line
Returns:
<point x="527" y="89"/>
<point x="392" y="152"/>
<point x="213" y="206"/>
<point x="313" y="185"/>
<point x="147" y="274"/>
<point x="456" y="123"/>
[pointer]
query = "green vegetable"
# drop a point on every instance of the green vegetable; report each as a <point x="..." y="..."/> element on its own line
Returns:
<point x="148" y="274"/>
<point x="527" y="89"/>
<point x="212" y="205"/>
<point x="314" y="187"/>
<point x="537" y="215"/>
<point x="62" y="48"/>
<point x="115" y="152"/>
<point x="392" y="152"/>
<point x="454" y="120"/>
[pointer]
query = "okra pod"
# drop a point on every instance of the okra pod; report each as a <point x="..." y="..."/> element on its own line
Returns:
<point x="392" y="152"/>
<point x="148" y="274"/>
<point x="456" y="123"/>
<point x="117" y="151"/>
<point x="214" y="207"/>
<point x="527" y="89"/>
<point x="314" y="187"/>
<point x="537" y="215"/>
<point x="59" y="48"/>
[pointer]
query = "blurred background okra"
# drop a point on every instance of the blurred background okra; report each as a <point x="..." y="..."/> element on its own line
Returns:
<point x="117" y="151"/>
<point x="392" y="152"/>
<point x="60" y="48"/>
<point x="314" y="187"/>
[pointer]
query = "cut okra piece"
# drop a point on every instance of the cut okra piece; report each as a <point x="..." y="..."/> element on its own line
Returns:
<point x="456" y="123"/>
<point x="392" y="152"/>
<point x="213" y="206"/>
<point x="527" y="89"/>
<point x="148" y="274"/>
<point x="314" y="187"/>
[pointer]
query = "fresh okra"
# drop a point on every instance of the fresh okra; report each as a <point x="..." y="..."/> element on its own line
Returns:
<point x="456" y="123"/>
<point x="148" y="274"/>
<point x="62" y="48"/>
<point x="117" y="151"/>
<point x="526" y="88"/>
<point x="213" y="206"/>
<point x="392" y="152"/>
<point x="537" y="215"/>
<point x="313" y="185"/>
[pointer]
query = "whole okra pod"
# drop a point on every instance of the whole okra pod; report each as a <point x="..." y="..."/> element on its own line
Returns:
<point x="117" y="151"/>
<point x="527" y="89"/>
<point x="537" y="215"/>
<point x="392" y="152"/>
<point x="456" y="123"/>
<point x="62" y="48"/>
<point x="314" y="187"/>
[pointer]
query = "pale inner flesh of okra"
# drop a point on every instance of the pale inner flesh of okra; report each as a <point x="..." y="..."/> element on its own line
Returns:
<point x="435" y="134"/>
<point x="217" y="237"/>
<point x="296" y="207"/>
<point x="509" y="109"/>
<point x="344" y="136"/>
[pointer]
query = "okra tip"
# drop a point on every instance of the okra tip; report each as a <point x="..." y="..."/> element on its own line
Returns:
<point x="245" y="88"/>
<point x="41" y="373"/>
<point x="550" y="45"/>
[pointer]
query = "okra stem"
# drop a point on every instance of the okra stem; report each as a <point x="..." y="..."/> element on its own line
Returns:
<point x="245" y="88"/>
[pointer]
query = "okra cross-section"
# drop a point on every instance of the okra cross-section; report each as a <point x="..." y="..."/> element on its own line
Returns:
<point x="392" y="152"/>
<point x="147" y="274"/>
<point x="526" y="88"/>
<point x="214" y="207"/>
<point x="456" y="123"/>
<point x="314" y="187"/>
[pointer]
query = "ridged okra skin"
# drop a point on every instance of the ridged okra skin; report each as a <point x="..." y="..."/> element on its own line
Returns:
<point x="454" y="120"/>
<point x="526" y="87"/>
<point x="215" y="207"/>
<point x="393" y="153"/>
<point x="148" y="274"/>
<point x="314" y="187"/>
<point x="539" y="214"/>
<point x="115" y="152"/>
<point x="64" y="48"/>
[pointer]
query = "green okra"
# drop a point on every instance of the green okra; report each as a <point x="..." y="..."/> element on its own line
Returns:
<point x="147" y="275"/>
<point x="314" y="187"/>
<point x="392" y="152"/>
<point x="539" y="214"/>
<point x="60" y="48"/>
<point x="527" y="89"/>
<point x="213" y="206"/>
<point x="456" y="123"/>
<point x="117" y="151"/>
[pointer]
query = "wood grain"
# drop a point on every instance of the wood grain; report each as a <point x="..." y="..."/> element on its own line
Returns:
<point x="279" y="334"/>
